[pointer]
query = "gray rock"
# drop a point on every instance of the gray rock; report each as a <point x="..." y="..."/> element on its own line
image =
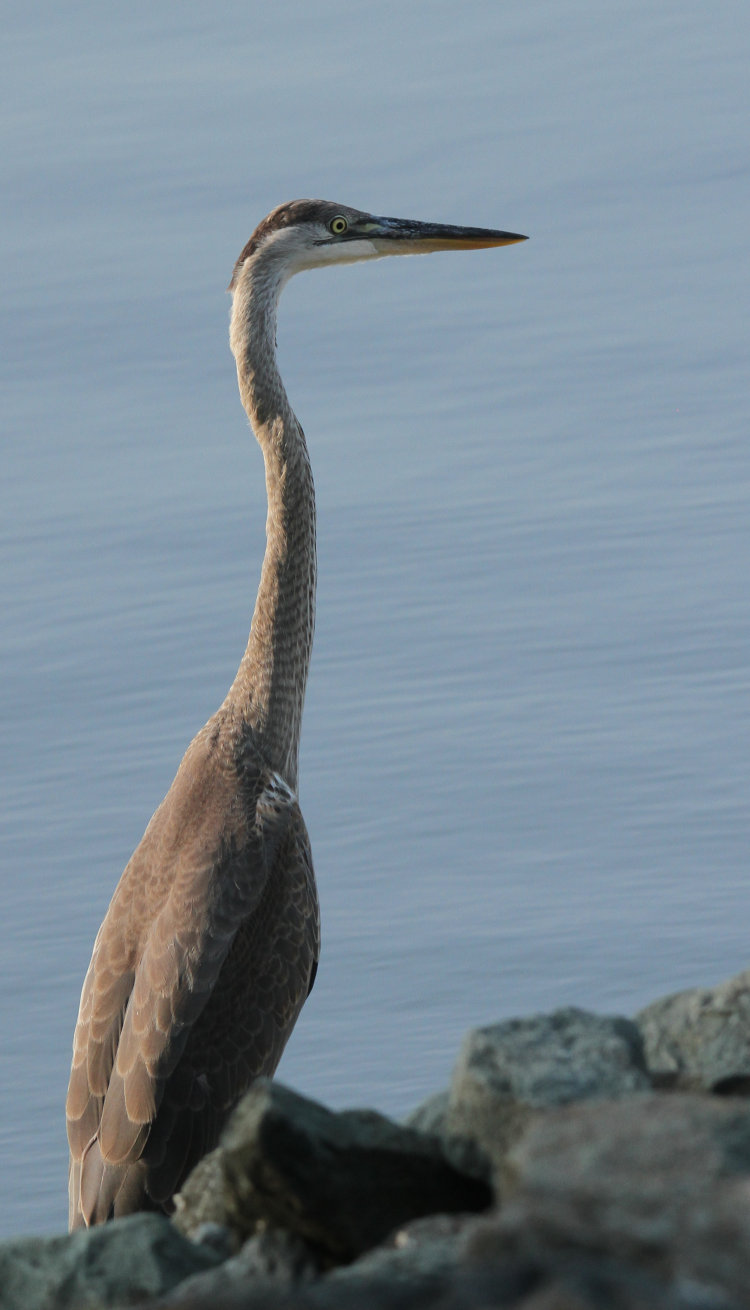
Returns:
<point x="270" y="1262"/>
<point x="658" y="1184"/>
<point x="635" y="1204"/>
<point x="422" y="1256"/>
<point x="217" y="1238"/>
<point x="340" y="1182"/>
<point x="117" y="1264"/>
<point x="201" y="1201"/>
<point x="507" y="1073"/>
<point x="430" y="1117"/>
<point x="700" y="1038"/>
<point x="425" y="1267"/>
<point x="415" y="1269"/>
<point x="462" y="1153"/>
<point x="583" y="1282"/>
<point x="411" y="1269"/>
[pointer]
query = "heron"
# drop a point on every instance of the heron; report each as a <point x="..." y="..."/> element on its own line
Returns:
<point x="210" y="944"/>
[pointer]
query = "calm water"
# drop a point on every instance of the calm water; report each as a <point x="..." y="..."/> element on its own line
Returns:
<point x="525" y="752"/>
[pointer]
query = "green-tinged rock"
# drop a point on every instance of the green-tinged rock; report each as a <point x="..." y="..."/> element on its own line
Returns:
<point x="507" y="1073"/>
<point x="339" y="1181"/>
<point x="657" y="1184"/>
<point x="700" y="1039"/>
<point x="118" y="1264"/>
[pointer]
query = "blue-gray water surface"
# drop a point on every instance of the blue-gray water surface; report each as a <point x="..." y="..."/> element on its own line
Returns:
<point x="525" y="747"/>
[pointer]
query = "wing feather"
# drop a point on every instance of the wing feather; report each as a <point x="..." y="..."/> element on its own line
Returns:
<point x="197" y="977"/>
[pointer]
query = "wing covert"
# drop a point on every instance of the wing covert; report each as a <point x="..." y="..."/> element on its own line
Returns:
<point x="153" y="972"/>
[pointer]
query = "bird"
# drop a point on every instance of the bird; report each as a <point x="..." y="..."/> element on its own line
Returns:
<point x="210" y="945"/>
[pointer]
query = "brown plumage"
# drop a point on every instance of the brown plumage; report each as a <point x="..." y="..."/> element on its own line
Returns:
<point x="210" y="944"/>
<point x="199" y="972"/>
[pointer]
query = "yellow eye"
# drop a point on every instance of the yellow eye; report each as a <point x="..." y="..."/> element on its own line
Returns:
<point x="338" y="225"/>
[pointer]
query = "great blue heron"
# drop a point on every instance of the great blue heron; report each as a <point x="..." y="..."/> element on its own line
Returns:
<point x="209" y="947"/>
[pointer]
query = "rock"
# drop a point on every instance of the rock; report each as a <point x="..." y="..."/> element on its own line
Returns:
<point x="462" y="1153"/>
<point x="614" y="1196"/>
<point x="201" y="1200"/>
<point x="339" y="1181"/>
<point x="121" y="1263"/>
<point x="507" y="1073"/>
<point x="420" y="1258"/>
<point x="422" y="1267"/>
<point x="701" y="1038"/>
<point x="640" y="1204"/>
<point x="217" y="1238"/>
<point x="582" y="1282"/>
<point x="412" y="1269"/>
<point x="270" y="1262"/>
<point x="588" y="1285"/>
<point x="659" y="1185"/>
<point x="430" y="1117"/>
<point x="425" y="1266"/>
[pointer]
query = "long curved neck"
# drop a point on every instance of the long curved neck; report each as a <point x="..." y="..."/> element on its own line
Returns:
<point x="269" y="690"/>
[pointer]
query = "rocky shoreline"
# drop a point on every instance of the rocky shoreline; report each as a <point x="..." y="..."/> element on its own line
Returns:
<point x="576" y="1162"/>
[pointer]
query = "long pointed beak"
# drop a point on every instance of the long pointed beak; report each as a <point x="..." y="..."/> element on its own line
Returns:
<point x="403" y="236"/>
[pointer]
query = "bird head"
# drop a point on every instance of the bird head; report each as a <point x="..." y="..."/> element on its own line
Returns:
<point x="313" y="233"/>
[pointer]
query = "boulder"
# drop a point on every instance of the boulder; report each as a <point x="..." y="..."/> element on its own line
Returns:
<point x="509" y="1072"/>
<point x="414" y="1269"/>
<point x="615" y="1196"/>
<point x="581" y="1281"/>
<point x="463" y="1153"/>
<point x="267" y="1266"/>
<point x="459" y="1263"/>
<point x="700" y="1038"/>
<point x="338" y="1181"/>
<point x="431" y="1115"/>
<point x="121" y="1263"/>
<point x="201" y="1202"/>
<point x="659" y="1185"/>
<point x="416" y="1265"/>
